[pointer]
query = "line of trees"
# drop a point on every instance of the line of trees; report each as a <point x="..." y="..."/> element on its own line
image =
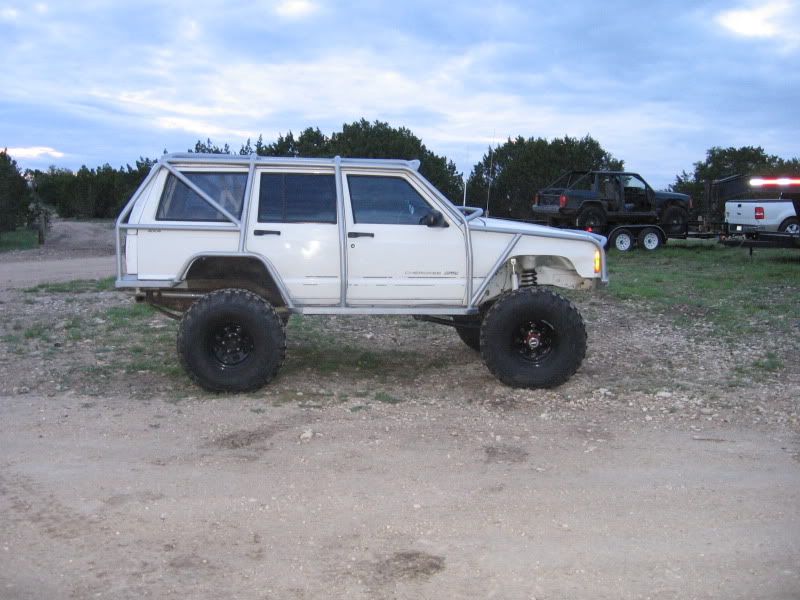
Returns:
<point x="508" y="174"/>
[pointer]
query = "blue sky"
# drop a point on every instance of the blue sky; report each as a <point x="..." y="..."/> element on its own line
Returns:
<point x="657" y="83"/>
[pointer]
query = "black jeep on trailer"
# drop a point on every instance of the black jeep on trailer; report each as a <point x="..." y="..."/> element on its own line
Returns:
<point x="619" y="204"/>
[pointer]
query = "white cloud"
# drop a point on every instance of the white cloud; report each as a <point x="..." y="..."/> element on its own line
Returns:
<point x="9" y="15"/>
<point x="34" y="152"/>
<point x="771" y="20"/>
<point x="295" y="9"/>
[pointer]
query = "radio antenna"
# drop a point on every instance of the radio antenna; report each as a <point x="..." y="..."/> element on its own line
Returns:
<point x="489" y="187"/>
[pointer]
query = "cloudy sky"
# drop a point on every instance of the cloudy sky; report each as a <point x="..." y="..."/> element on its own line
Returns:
<point x="657" y="83"/>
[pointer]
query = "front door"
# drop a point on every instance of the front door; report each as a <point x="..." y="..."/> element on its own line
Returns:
<point x="393" y="257"/>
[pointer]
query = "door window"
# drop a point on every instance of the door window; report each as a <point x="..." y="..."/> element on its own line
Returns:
<point x="297" y="198"/>
<point x="386" y="200"/>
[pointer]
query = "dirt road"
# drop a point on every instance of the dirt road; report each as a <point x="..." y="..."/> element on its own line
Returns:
<point x="73" y="250"/>
<point x="385" y="462"/>
<point x="229" y="498"/>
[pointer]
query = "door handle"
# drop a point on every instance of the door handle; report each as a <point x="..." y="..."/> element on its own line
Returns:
<point x="266" y="232"/>
<point x="357" y="234"/>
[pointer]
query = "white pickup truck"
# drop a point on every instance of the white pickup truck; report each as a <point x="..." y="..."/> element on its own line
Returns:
<point x="761" y="216"/>
<point x="778" y="214"/>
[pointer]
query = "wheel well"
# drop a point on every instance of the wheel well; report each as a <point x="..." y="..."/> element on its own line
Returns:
<point x="208" y="273"/>
<point x="785" y="223"/>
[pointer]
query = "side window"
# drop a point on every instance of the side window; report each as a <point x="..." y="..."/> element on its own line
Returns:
<point x="180" y="203"/>
<point x="386" y="200"/>
<point x="297" y="198"/>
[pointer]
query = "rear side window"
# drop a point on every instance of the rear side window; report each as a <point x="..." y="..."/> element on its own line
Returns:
<point x="386" y="200"/>
<point x="297" y="198"/>
<point x="180" y="203"/>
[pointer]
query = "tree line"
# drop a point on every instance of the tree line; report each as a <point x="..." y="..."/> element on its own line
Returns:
<point x="503" y="181"/>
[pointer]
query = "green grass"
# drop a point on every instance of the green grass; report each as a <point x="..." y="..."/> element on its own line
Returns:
<point x="21" y="239"/>
<point x="78" y="286"/>
<point x="313" y="346"/>
<point x="705" y="283"/>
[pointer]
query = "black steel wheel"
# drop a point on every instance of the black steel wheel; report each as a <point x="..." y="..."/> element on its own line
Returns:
<point x="533" y="338"/>
<point x="231" y="341"/>
<point x="591" y="218"/>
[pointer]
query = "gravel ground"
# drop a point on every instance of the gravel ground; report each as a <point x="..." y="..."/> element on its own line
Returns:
<point x="386" y="462"/>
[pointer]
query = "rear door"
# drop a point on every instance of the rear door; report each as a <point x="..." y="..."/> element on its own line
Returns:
<point x="293" y="225"/>
<point x="392" y="256"/>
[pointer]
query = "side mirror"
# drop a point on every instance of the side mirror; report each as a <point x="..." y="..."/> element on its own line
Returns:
<point x="434" y="219"/>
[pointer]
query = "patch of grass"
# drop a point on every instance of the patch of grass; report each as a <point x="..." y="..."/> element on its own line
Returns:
<point x="38" y="331"/>
<point x="312" y="346"/>
<point x="77" y="286"/>
<point x="769" y="362"/>
<point x="706" y="283"/>
<point x="124" y="316"/>
<point x="21" y="239"/>
<point x="387" y="398"/>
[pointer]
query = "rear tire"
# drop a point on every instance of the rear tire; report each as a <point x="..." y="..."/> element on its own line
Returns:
<point x="533" y="338"/>
<point x="675" y="220"/>
<point x="471" y="336"/>
<point x="649" y="239"/>
<point x="231" y="340"/>
<point x="591" y="218"/>
<point x="790" y="225"/>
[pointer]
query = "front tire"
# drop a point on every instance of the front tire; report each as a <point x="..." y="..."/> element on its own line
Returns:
<point x="231" y="340"/>
<point x="533" y="338"/>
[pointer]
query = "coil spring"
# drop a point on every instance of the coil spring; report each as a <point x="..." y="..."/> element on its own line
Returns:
<point x="527" y="278"/>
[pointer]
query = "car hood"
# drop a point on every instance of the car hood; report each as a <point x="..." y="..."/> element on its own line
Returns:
<point x="522" y="228"/>
<point x="672" y="196"/>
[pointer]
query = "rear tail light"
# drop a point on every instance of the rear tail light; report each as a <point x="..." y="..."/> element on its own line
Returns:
<point x="536" y="200"/>
<point x="691" y="203"/>
<point x="597" y="263"/>
<point x="562" y="200"/>
<point x="759" y="212"/>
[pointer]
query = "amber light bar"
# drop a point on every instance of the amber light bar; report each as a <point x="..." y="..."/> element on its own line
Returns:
<point x="780" y="181"/>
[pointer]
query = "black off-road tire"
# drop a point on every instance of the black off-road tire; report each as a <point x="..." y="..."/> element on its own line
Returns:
<point x="470" y="333"/>
<point x="523" y="317"/>
<point x="231" y="340"/>
<point x="592" y="217"/>
<point x="675" y="220"/>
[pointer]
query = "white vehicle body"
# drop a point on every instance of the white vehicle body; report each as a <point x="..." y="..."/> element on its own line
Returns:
<point x="346" y="262"/>
<point x="760" y="216"/>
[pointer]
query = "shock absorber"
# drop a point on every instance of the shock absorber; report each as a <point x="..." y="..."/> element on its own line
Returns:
<point x="527" y="278"/>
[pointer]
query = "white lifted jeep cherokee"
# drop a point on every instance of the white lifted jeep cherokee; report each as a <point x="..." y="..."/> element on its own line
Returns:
<point x="232" y="245"/>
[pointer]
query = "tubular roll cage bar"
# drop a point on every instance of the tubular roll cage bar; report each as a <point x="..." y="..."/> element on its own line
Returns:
<point x="463" y="215"/>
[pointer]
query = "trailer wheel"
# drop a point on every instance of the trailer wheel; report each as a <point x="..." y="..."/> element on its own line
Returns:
<point x="591" y="218"/>
<point x="533" y="338"/>
<point x="622" y="240"/>
<point x="649" y="239"/>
